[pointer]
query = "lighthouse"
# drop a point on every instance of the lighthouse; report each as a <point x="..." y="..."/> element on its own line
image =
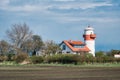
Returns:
<point x="89" y="39"/>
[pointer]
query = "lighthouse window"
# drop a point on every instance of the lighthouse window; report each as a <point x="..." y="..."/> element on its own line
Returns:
<point x="64" y="47"/>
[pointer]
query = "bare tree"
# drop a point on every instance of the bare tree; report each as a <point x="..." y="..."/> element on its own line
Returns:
<point x="19" y="34"/>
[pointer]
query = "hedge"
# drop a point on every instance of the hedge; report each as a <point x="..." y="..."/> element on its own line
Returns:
<point x="60" y="58"/>
<point x="72" y="58"/>
<point x="36" y="59"/>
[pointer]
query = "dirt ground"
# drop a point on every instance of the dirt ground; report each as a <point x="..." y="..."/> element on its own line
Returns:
<point x="59" y="73"/>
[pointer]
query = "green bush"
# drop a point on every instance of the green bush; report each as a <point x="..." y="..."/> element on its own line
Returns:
<point x="99" y="54"/>
<point x="69" y="58"/>
<point x="21" y="57"/>
<point x="61" y="58"/>
<point x="36" y="59"/>
<point x="89" y="58"/>
<point x="10" y="57"/>
<point x="79" y="59"/>
<point x="52" y="59"/>
<point x="117" y="60"/>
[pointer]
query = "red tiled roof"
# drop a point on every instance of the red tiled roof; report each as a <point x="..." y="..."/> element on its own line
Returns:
<point x="70" y="44"/>
<point x="75" y="42"/>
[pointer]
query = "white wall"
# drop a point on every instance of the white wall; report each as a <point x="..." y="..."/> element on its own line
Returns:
<point x="67" y="48"/>
<point x="117" y="55"/>
<point x="91" y="46"/>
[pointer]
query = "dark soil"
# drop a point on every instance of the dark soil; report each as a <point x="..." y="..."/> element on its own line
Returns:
<point x="59" y="73"/>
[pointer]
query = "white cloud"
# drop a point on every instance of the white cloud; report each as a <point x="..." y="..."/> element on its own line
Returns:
<point x="80" y="5"/>
<point x="7" y="6"/>
<point x="25" y="8"/>
<point x="93" y="5"/>
<point x="87" y="19"/>
<point x="45" y="6"/>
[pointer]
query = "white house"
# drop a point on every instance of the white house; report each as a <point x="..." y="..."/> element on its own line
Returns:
<point x="75" y="47"/>
<point x="79" y="47"/>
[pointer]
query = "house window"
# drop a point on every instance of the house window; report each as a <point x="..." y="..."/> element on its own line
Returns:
<point x="64" y="47"/>
<point x="79" y="46"/>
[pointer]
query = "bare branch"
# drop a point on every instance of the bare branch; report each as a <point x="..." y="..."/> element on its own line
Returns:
<point x="18" y="34"/>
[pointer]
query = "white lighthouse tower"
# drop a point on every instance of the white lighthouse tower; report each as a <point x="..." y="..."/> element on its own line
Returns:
<point x="89" y="38"/>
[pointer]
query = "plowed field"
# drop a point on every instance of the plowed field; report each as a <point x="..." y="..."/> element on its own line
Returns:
<point x="59" y="73"/>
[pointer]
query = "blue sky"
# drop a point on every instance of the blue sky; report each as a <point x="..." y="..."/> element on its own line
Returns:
<point x="65" y="19"/>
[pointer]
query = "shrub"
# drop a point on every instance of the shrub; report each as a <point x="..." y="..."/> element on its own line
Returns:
<point x="99" y="54"/>
<point x="53" y="58"/>
<point x="3" y="58"/>
<point x="117" y="60"/>
<point x="36" y="59"/>
<point x="21" y="57"/>
<point x="68" y="58"/>
<point x="81" y="59"/>
<point x="89" y="58"/>
<point x="10" y="57"/>
<point x="61" y="58"/>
